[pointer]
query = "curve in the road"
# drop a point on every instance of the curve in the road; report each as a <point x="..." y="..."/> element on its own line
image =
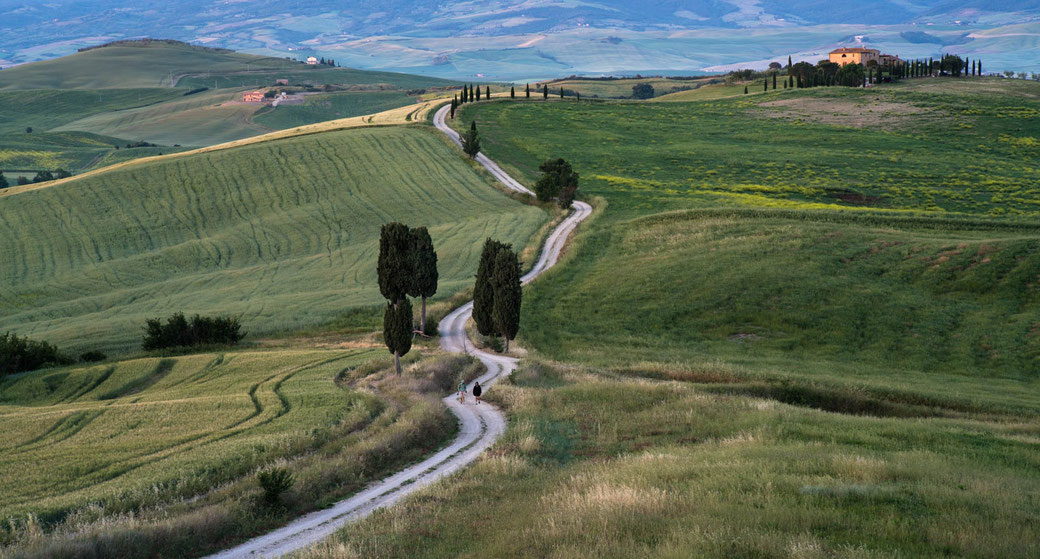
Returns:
<point x="481" y="425"/>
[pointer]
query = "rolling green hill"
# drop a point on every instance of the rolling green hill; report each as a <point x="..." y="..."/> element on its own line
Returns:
<point x="949" y="293"/>
<point x="141" y="64"/>
<point x="283" y="233"/>
<point x="122" y="93"/>
<point x="708" y="375"/>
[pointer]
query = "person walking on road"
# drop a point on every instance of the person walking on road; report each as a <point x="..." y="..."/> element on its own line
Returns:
<point x="462" y="392"/>
<point x="477" y="391"/>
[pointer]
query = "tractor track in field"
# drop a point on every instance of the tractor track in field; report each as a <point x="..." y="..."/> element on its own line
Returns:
<point x="480" y="425"/>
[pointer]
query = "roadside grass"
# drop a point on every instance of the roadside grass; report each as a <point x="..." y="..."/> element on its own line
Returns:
<point x="319" y="108"/>
<point x="599" y="466"/>
<point x="283" y="234"/>
<point x="166" y="466"/>
<point x="974" y="158"/>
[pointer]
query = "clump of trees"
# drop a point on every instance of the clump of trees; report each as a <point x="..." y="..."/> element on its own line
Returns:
<point x="497" y="294"/>
<point x="471" y="141"/>
<point x="21" y="354"/>
<point x="180" y="332"/>
<point x="407" y="266"/>
<point x="558" y="181"/>
<point x="642" y="91"/>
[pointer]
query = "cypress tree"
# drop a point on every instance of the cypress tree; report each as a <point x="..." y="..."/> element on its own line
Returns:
<point x="484" y="289"/>
<point x="561" y="92"/>
<point x="745" y="90"/>
<point x="3" y="182"/>
<point x="788" y="65"/>
<point x="397" y="330"/>
<point x="545" y="91"/>
<point x="512" y="92"/>
<point x="471" y="141"/>
<point x="765" y="85"/>
<point x="424" y="262"/>
<point x="508" y="294"/>
<point x="478" y="94"/>
<point x="980" y="68"/>
<point x="454" y="105"/>
<point x="528" y="91"/>
<point x="774" y="80"/>
<point x="394" y="267"/>
<point x="487" y="91"/>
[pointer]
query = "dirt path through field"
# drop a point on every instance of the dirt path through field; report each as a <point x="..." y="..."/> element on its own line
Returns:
<point x="480" y="425"/>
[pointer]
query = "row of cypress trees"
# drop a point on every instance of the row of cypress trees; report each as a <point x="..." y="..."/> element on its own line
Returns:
<point x="407" y="266"/>
<point x="497" y="294"/>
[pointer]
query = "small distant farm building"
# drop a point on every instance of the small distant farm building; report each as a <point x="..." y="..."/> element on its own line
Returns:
<point x="889" y="60"/>
<point x="282" y="81"/>
<point x="856" y="55"/>
<point x="312" y="61"/>
<point x="253" y="97"/>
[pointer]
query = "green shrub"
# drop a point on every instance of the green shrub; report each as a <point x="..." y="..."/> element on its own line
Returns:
<point x="274" y="482"/>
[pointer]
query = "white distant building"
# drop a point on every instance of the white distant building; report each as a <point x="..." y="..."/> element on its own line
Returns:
<point x="312" y="61"/>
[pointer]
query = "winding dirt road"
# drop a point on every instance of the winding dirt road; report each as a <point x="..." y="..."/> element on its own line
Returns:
<point x="480" y="426"/>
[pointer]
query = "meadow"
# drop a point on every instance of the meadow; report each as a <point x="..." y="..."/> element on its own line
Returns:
<point x="282" y="233"/>
<point x="158" y="455"/>
<point x="912" y="152"/>
<point x="779" y="336"/>
<point x="597" y="465"/>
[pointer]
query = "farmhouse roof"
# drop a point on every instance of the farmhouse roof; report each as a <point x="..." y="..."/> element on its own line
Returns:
<point x="843" y="50"/>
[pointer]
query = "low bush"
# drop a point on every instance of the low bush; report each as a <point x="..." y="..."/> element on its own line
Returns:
<point x="178" y="331"/>
<point x="92" y="357"/>
<point x="274" y="482"/>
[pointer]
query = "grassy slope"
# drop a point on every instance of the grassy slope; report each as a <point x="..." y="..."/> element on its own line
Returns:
<point x="318" y="108"/>
<point x="131" y="66"/>
<point x="78" y="94"/>
<point x="877" y="293"/>
<point x="165" y="422"/>
<point x="201" y="119"/>
<point x="283" y="233"/>
<point x="708" y="425"/>
<point x="596" y="466"/>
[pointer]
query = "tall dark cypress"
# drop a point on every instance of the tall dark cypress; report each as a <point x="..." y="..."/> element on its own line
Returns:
<point x="424" y="264"/>
<point x="478" y="93"/>
<point x="512" y="92"/>
<point x="487" y="91"/>
<point x="745" y="90"/>
<point x="545" y="91"/>
<point x="505" y="310"/>
<point x="528" y="91"/>
<point x="394" y="267"/>
<point x="484" y="289"/>
<point x="454" y="105"/>
<point x="397" y="330"/>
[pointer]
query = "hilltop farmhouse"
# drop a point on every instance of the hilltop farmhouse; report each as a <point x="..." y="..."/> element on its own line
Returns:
<point x="253" y="97"/>
<point x="312" y="61"/>
<point x="857" y="55"/>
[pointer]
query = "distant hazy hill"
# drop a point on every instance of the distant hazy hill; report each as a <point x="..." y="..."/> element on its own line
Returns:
<point x="526" y="38"/>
